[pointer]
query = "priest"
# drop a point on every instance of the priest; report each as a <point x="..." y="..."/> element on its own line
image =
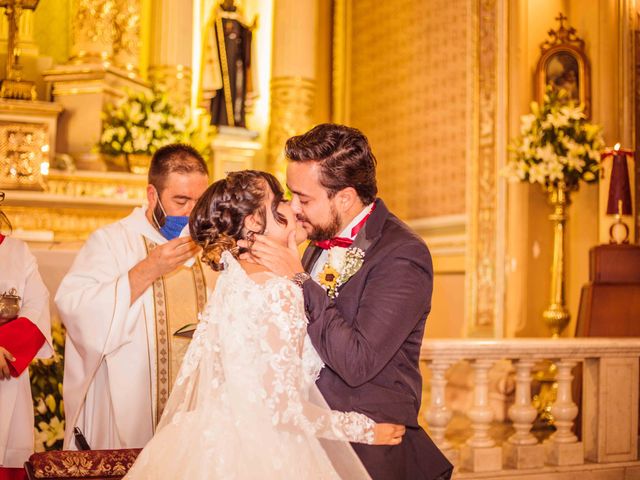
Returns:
<point x="131" y="287"/>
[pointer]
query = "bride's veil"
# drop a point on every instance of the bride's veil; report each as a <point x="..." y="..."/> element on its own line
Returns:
<point x="198" y="387"/>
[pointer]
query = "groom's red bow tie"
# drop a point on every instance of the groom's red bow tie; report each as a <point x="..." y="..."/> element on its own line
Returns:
<point x="334" y="242"/>
<point x="342" y="241"/>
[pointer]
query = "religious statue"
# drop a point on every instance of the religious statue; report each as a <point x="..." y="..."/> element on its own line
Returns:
<point x="226" y="76"/>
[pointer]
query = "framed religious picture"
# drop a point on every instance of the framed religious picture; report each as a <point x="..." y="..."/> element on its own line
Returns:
<point x="563" y="65"/>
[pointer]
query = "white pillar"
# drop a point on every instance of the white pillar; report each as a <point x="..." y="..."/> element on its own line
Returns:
<point x="480" y="453"/>
<point x="438" y="415"/>
<point x="563" y="447"/>
<point x="522" y="450"/>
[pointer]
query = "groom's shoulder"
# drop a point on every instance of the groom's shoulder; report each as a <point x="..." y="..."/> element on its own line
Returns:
<point x="398" y="235"/>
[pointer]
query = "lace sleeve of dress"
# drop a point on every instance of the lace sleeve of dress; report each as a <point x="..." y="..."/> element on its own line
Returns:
<point x="287" y="391"/>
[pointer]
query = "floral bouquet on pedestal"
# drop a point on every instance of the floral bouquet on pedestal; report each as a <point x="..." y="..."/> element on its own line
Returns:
<point x="556" y="145"/>
<point x="557" y="148"/>
<point x="140" y="123"/>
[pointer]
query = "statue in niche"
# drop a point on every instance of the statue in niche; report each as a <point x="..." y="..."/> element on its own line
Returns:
<point x="227" y="83"/>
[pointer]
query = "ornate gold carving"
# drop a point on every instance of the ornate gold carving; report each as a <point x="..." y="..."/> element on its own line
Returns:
<point x="64" y="223"/>
<point x="176" y="79"/>
<point x="94" y="32"/>
<point x="127" y="35"/>
<point x="74" y="205"/>
<point x="562" y="36"/>
<point x="97" y="185"/>
<point x="292" y="100"/>
<point x="23" y="148"/>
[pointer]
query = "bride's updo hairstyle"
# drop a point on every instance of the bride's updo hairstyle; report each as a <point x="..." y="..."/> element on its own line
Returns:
<point x="216" y="222"/>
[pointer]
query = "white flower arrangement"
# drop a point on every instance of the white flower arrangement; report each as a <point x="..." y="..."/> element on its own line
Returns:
<point x="141" y="123"/>
<point x="46" y="390"/>
<point x="556" y="145"/>
<point x="342" y="264"/>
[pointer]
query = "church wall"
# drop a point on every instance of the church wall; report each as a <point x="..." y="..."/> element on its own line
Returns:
<point x="408" y="94"/>
<point x="407" y="90"/>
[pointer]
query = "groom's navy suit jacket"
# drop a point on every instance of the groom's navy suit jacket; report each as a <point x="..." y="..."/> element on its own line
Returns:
<point x="370" y="336"/>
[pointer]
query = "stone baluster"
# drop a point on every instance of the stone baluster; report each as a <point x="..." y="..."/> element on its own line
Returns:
<point x="563" y="447"/>
<point x="522" y="449"/>
<point x="480" y="453"/>
<point x="438" y="415"/>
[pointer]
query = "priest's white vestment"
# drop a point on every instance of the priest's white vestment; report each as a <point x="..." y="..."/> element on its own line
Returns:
<point x="112" y="383"/>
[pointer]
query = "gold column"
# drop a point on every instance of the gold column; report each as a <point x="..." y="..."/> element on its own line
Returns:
<point x="293" y="81"/>
<point x="171" y="47"/>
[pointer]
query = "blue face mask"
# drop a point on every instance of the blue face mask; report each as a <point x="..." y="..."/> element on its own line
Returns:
<point x="173" y="224"/>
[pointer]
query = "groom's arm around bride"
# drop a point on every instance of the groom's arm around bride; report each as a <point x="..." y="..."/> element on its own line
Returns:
<point x="367" y="327"/>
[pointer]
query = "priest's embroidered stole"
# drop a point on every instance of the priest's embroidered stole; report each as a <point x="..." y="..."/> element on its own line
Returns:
<point x="178" y="297"/>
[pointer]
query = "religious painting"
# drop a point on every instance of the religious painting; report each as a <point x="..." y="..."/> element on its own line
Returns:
<point x="563" y="65"/>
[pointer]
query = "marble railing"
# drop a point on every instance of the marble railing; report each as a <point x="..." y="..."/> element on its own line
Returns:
<point x="609" y="429"/>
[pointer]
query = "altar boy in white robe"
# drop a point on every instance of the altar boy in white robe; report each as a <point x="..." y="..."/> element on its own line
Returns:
<point x="131" y="286"/>
<point x="22" y="339"/>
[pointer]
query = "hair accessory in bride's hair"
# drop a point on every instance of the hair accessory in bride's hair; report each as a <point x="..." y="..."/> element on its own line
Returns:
<point x="214" y="247"/>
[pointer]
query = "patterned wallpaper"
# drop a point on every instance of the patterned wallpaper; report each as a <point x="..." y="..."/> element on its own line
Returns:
<point x="409" y="95"/>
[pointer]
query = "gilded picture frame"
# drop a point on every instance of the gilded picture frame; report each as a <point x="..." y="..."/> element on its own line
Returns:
<point x="563" y="64"/>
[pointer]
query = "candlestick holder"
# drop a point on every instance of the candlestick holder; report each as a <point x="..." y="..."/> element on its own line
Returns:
<point x="13" y="86"/>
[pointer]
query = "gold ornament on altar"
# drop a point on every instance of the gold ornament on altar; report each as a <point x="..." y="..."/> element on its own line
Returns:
<point x="13" y="86"/>
<point x="557" y="149"/>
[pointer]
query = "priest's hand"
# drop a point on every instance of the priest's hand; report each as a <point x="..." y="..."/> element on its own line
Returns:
<point x="283" y="260"/>
<point x="388" y="434"/>
<point x="5" y="358"/>
<point x="163" y="259"/>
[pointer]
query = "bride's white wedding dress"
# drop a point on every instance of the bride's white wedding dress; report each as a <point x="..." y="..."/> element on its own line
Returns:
<point x="245" y="405"/>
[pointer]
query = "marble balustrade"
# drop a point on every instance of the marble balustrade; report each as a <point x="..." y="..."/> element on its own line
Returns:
<point x="607" y="444"/>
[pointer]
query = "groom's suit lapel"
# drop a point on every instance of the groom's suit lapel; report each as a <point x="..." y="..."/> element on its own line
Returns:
<point x="310" y="257"/>
<point x="372" y="229"/>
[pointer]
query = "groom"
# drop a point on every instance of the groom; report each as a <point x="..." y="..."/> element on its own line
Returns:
<point x="367" y="314"/>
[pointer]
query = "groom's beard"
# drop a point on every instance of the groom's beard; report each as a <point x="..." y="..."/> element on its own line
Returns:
<point x="323" y="232"/>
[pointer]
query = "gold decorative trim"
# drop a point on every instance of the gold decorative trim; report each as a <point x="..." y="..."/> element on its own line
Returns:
<point x="292" y="100"/>
<point x="62" y="224"/>
<point x="484" y="273"/>
<point x="163" y="345"/>
<point x="75" y="205"/>
<point x="200" y="285"/>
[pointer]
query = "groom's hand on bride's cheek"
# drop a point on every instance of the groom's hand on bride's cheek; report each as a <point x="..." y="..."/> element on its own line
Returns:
<point x="388" y="434"/>
<point x="280" y="259"/>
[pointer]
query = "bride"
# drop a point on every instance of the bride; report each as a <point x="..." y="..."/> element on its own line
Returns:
<point x="245" y="404"/>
